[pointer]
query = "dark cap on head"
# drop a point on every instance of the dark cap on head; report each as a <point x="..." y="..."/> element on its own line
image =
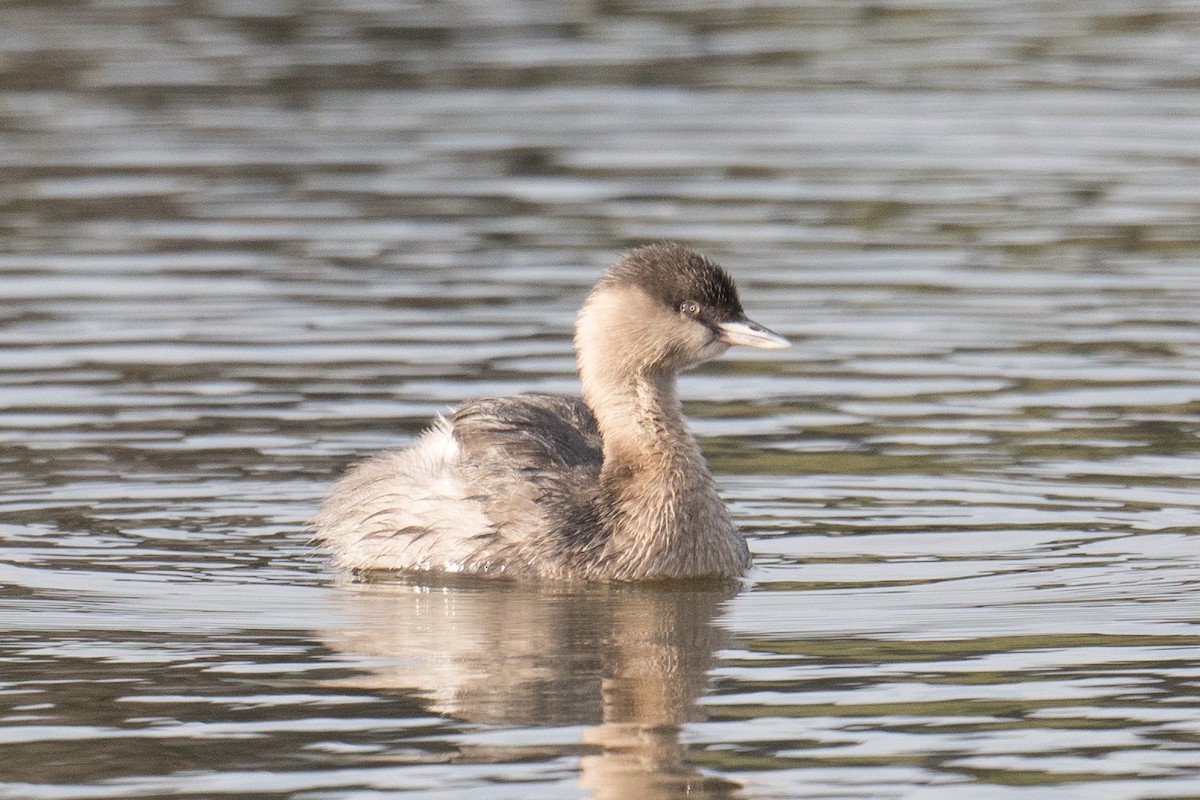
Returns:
<point x="672" y="274"/>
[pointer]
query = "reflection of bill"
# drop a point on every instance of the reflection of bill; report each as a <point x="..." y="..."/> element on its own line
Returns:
<point x="629" y="661"/>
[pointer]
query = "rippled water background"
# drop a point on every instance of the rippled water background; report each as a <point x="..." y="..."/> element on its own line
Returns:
<point x="245" y="243"/>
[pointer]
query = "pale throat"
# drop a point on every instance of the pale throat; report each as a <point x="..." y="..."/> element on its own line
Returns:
<point x="629" y="381"/>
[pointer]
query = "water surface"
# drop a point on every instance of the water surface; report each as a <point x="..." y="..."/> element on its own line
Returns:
<point x="245" y="244"/>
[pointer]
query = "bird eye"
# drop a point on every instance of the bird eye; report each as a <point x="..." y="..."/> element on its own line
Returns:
<point x="691" y="308"/>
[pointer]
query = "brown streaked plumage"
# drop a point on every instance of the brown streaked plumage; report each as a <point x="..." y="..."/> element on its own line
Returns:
<point x="608" y="487"/>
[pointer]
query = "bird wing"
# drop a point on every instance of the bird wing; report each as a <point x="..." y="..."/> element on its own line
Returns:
<point x="530" y="432"/>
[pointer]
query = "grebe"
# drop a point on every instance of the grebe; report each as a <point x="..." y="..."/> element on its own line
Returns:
<point x="608" y="487"/>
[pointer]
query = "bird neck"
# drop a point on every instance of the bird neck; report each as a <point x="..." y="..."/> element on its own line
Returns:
<point x="627" y="382"/>
<point x="640" y="421"/>
<point x="664" y="516"/>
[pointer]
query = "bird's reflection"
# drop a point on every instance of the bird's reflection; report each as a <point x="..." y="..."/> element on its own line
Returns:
<point x="628" y="661"/>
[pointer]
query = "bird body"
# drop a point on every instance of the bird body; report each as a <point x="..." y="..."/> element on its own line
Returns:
<point x="608" y="487"/>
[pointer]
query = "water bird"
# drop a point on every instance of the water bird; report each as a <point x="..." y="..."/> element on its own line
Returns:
<point x="611" y="486"/>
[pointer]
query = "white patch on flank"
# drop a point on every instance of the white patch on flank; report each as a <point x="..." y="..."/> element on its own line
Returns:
<point x="404" y="510"/>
